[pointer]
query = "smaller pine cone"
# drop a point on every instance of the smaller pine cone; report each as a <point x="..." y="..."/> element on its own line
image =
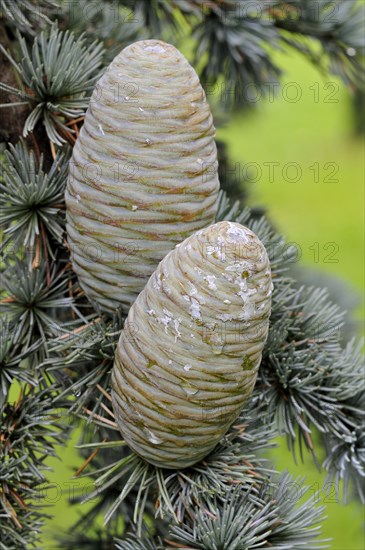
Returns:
<point x="188" y="356"/>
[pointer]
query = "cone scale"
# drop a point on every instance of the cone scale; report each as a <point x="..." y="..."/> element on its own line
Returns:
<point x="143" y="175"/>
<point x="188" y="356"/>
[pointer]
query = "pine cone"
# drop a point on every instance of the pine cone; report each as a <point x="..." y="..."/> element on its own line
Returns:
<point x="188" y="356"/>
<point x="143" y="175"/>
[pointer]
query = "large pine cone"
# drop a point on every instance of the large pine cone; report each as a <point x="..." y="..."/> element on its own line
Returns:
<point x="143" y="175"/>
<point x="188" y="356"/>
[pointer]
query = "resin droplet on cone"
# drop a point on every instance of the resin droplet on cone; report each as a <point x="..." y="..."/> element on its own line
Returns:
<point x="188" y="356"/>
<point x="143" y="175"/>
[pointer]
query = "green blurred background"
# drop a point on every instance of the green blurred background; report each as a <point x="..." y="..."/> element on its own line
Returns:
<point x="310" y="125"/>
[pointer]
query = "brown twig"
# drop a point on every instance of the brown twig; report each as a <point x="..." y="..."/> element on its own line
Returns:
<point x="105" y="393"/>
<point x="36" y="260"/>
<point x="75" y="127"/>
<point x="53" y="150"/>
<point x="101" y="418"/>
<point x="12" y="512"/>
<point x="18" y="499"/>
<point x="45" y="250"/>
<point x="66" y="245"/>
<point x="106" y="409"/>
<point x="7" y="300"/>
<point x="177" y="544"/>
<point x="78" y="329"/>
<point x="309" y="440"/>
<point x="70" y="138"/>
<point x="88" y="460"/>
<point x="71" y="122"/>
<point x="36" y="146"/>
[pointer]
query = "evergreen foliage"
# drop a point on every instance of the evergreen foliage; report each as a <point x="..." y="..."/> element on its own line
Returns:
<point x="57" y="74"/>
<point x="32" y="200"/>
<point x="57" y="349"/>
<point x="31" y="427"/>
<point x="26" y="14"/>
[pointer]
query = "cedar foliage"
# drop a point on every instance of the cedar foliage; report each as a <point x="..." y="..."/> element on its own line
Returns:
<point x="57" y="349"/>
